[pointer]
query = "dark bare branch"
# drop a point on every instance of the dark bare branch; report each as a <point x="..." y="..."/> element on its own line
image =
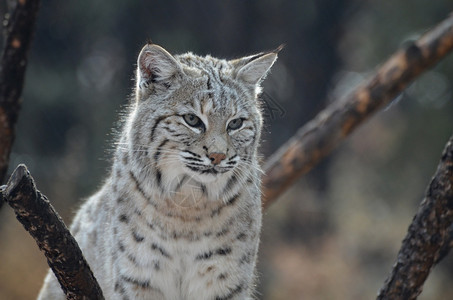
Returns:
<point x="44" y="224"/>
<point x="446" y="247"/>
<point x="18" y="30"/>
<point x="428" y="236"/>
<point x="318" y="138"/>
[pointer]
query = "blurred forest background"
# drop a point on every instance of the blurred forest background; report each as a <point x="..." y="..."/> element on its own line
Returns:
<point x="333" y="235"/>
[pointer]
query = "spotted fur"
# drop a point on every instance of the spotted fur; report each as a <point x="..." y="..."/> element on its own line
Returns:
<point x="180" y="213"/>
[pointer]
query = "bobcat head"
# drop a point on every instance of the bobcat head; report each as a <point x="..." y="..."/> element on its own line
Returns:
<point x="197" y="120"/>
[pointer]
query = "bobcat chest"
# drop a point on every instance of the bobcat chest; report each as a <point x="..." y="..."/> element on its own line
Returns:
<point x="179" y="255"/>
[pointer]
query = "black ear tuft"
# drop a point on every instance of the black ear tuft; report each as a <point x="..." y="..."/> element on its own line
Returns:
<point x="278" y="49"/>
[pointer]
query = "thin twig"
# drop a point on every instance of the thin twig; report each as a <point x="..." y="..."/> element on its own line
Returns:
<point x="44" y="224"/>
<point x="318" y="138"/>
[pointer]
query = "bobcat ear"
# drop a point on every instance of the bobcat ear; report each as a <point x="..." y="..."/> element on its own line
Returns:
<point x="155" y="66"/>
<point x="253" y="69"/>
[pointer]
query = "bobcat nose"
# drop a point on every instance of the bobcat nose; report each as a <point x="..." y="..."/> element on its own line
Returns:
<point x="216" y="157"/>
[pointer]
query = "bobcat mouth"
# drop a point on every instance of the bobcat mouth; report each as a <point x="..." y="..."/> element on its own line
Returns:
<point x="215" y="170"/>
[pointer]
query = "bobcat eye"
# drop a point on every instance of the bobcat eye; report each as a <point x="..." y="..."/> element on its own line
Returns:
<point x="193" y="120"/>
<point x="235" y="124"/>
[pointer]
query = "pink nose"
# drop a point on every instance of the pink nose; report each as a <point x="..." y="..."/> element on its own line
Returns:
<point x="216" y="158"/>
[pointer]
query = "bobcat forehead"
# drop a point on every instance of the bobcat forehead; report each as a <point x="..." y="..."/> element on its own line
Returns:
<point x="179" y="216"/>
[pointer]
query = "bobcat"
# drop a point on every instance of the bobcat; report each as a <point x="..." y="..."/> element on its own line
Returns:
<point x="179" y="215"/>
